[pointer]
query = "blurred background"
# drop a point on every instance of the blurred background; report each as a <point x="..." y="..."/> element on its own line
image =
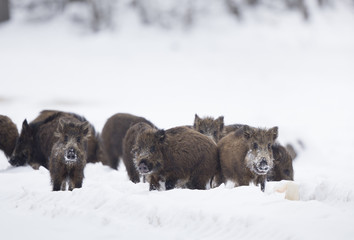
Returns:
<point x="98" y="15"/>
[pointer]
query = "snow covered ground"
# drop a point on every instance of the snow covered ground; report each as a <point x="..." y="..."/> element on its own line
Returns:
<point x="264" y="72"/>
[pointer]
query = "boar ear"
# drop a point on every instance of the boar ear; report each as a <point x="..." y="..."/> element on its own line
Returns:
<point x="86" y="128"/>
<point x="60" y="128"/>
<point x="26" y="127"/>
<point x="247" y="131"/>
<point x="160" y="135"/>
<point x="196" y="120"/>
<point x="61" y="124"/>
<point x="220" y="121"/>
<point x="274" y="133"/>
<point x="25" y="124"/>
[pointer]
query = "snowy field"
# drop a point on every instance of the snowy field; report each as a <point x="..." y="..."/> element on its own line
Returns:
<point x="264" y="72"/>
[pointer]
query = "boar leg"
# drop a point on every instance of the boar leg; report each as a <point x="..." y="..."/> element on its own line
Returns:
<point x="56" y="185"/>
<point x="76" y="177"/>
<point x="170" y="183"/>
<point x="154" y="182"/>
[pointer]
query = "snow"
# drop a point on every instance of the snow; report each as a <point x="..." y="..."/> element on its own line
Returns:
<point x="266" y="71"/>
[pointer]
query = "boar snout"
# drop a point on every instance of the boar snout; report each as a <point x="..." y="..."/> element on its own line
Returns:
<point x="16" y="161"/>
<point x="262" y="167"/>
<point x="143" y="167"/>
<point x="71" y="155"/>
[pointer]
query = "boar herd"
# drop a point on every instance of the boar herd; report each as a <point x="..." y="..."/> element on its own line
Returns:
<point x="199" y="156"/>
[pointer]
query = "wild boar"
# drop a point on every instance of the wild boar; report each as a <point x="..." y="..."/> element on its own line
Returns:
<point x="69" y="154"/>
<point x="8" y="135"/>
<point x="128" y="144"/>
<point x="246" y="155"/>
<point x="112" y="135"/>
<point x="212" y="128"/>
<point x="179" y="157"/>
<point x="36" y="140"/>
<point x="283" y="164"/>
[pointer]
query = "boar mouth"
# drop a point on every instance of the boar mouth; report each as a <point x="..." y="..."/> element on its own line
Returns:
<point x="261" y="168"/>
<point x="146" y="168"/>
<point x="17" y="161"/>
<point x="260" y="171"/>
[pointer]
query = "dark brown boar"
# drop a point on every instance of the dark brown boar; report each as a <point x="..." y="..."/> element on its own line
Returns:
<point x="69" y="154"/>
<point x="246" y="155"/>
<point x="179" y="157"/>
<point x="8" y="135"/>
<point x="283" y="164"/>
<point x="210" y="127"/>
<point x="112" y="135"/>
<point x="234" y="127"/>
<point x="128" y="144"/>
<point x="291" y="150"/>
<point x="36" y="140"/>
<point x="283" y="158"/>
<point x="93" y="141"/>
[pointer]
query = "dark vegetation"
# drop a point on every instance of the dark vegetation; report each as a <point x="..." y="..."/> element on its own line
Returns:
<point x="98" y="15"/>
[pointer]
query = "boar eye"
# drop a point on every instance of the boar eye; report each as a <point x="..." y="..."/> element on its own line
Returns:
<point x="134" y="150"/>
<point x="65" y="138"/>
<point x="201" y="131"/>
<point x="152" y="149"/>
<point x="78" y="139"/>
<point x="269" y="146"/>
<point x="255" y="145"/>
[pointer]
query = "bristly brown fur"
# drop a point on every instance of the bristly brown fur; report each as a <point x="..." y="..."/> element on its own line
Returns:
<point x="113" y="132"/>
<point x="128" y="144"/>
<point x="231" y="128"/>
<point x="283" y="158"/>
<point x="8" y="135"/>
<point x="291" y="150"/>
<point x="244" y="153"/>
<point x="93" y="141"/>
<point x="179" y="157"/>
<point x="283" y="164"/>
<point x="209" y="126"/>
<point x="69" y="153"/>
<point x="36" y="140"/>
